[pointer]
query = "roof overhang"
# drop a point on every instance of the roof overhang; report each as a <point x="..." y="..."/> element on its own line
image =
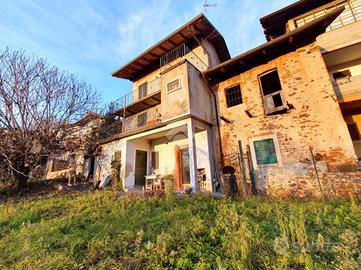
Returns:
<point x="274" y="24"/>
<point x="272" y="49"/>
<point x="198" y="28"/>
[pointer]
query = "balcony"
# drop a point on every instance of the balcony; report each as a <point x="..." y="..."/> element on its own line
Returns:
<point x="348" y="89"/>
<point x="142" y="120"/>
<point x="145" y="97"/>
<point x="180" y="53"/>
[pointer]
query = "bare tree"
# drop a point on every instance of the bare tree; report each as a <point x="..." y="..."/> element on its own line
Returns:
<point x="37" y="104"/>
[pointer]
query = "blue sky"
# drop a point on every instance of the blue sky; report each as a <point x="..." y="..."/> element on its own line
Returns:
<point x="92" y="38"/>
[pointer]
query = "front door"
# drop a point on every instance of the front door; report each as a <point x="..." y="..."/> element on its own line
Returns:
<point x="182" y="167"/>
<point x="184" y="154"/>
<point x="140" y="167"/>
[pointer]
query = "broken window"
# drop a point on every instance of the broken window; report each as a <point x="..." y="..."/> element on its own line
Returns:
<point x="142" y="90"/>
<point x="142" y="119"/>
<point x="265" y="152"/>
<point x="233" y="96"/>
<point x="354" y="132"/>
<point x="174" y="85"/>
<point x="273" y="98"/>
<point x="155" y="160"/>
<point x="341" y="74"/>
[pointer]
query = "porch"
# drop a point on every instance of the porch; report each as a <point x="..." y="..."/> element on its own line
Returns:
<point x="181" y="150"/>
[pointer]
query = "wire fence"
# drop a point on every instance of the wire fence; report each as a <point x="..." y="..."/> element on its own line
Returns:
<point x="304" y="174"/>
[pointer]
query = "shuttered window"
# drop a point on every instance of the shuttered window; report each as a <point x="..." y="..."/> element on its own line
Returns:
<point x="142" y="90"/>
<point x="265" y="152"/>
<point x="273" y="98"/>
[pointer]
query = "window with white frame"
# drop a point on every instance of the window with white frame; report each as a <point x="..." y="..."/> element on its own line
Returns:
<point x="265" y="151"/>
<point x="174" y="85"/>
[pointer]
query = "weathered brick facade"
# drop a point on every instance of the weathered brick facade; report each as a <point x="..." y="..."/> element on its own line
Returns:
<point x="313" y="119"/>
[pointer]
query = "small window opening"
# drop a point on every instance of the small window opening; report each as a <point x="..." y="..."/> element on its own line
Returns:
<point x="341" y="74"/>
<point x="277" y="100"/>
<point x="233" y="96"/>
<point x="174" y="85"/>
<point x="142" y="119"/>
<point x="273" y="97"/>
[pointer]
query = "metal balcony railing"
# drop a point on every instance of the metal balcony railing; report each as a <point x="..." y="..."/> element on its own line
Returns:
<point x="182" y="52"/>
<point x="136" y="95"/>
<point x="352" y="13"/>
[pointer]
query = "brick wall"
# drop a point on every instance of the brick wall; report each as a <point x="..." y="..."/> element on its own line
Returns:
<point x="313" y="120"/>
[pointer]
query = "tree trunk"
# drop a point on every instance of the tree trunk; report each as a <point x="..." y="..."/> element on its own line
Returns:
<point x="23" y="177"/>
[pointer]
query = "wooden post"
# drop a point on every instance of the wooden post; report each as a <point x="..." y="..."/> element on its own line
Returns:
<point x="250" y="167"/>
<point x="315" y="167"/>
<point x="242" y="168"/>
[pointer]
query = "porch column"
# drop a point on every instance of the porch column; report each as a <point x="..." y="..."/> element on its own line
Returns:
<point x="192" y="155"/>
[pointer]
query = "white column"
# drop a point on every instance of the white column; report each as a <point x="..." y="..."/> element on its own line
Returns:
<point x="192" y="155"/>
<point x="211" y="154"/>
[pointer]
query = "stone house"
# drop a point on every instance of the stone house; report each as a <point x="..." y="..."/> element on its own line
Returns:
<point x="340" y="47"/>
<point x="277" y="102"/>
<point x="76" y="143"/>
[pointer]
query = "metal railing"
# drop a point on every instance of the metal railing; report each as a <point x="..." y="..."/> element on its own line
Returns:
<point x="347" y="88"/>
<point x="352" y="13"/>
<point x="134" y="96"/>
<point x="182" y="52"/>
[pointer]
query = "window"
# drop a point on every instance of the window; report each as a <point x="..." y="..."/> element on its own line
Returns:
<point x="354" y="132"/>
<point x="273" y="98"/>
<point x="155" y="160"/>
<point x="233" y="96"/>
<point x="174" y="85"/>
<point x="142" y="90"/>
<point x="142" y="119"/>
<point x="265" y="151"/>
<point x="341" y="74"/>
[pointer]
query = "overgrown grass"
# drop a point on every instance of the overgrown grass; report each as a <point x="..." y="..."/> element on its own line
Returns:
<point x="103" y="231"/>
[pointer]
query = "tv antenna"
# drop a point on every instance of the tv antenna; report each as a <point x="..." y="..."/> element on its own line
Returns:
<point x="207" y="5"/>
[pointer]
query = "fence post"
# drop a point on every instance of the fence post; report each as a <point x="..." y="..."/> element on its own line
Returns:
<point x="242" y="167"/>
<point x="315" y="167"/>
<point x="250" y="167"/>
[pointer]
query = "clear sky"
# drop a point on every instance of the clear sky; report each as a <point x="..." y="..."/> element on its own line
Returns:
<point x="93" y="38"/>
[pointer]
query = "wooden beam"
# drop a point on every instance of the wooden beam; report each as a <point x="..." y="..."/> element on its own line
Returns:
<point x="171" y="42"/>
<point x="182" y="36"/>
<point x="158" y="100"/>
<point x="145" y="103"/>
<point x="162" y="48"/>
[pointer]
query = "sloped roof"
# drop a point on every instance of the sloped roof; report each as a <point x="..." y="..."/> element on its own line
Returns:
<point x="199" y="27"/>
<point x="272" y="49"/>
<point x="274" y="24"/>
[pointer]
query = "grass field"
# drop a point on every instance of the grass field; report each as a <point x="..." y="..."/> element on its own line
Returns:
<point x="104" y="231"/>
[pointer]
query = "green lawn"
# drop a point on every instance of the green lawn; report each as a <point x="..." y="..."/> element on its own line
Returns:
<point x="103" y="231"/>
